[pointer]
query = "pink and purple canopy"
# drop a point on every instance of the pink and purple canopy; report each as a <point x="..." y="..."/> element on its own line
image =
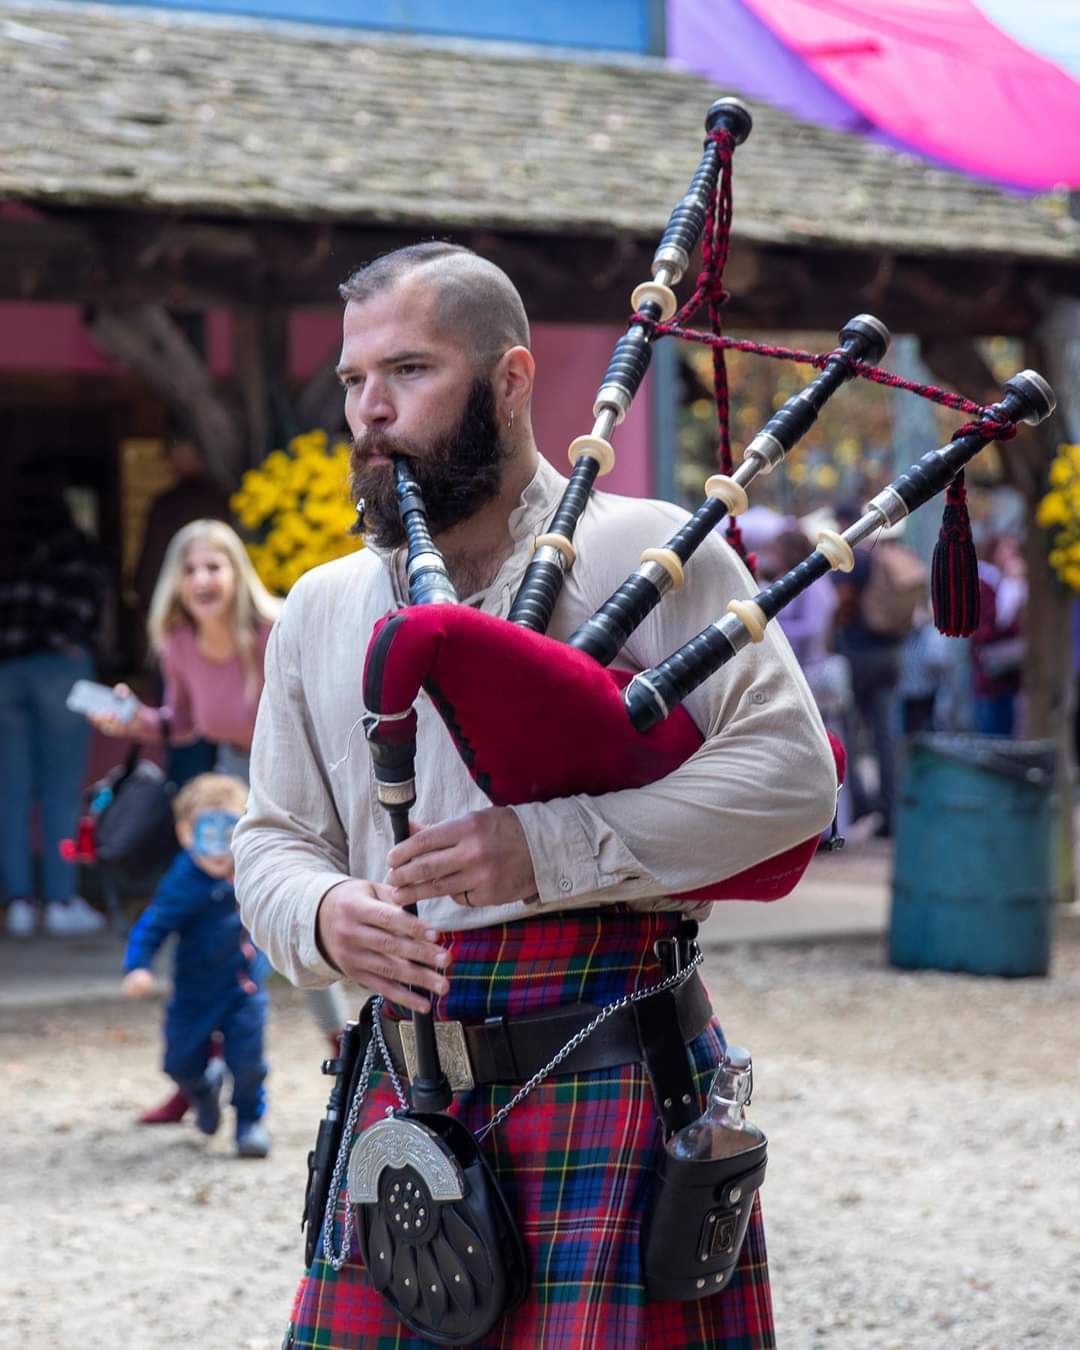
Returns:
<point x="991" y="88"/>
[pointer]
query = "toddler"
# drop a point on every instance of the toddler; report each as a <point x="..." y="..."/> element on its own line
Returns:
<point x="219" y="975"/>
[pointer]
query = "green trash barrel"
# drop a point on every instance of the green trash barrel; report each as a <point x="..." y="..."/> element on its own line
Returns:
<point x="973" y="878"/>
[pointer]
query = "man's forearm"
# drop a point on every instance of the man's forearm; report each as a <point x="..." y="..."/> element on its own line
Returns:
<point x="733" y="804"/>
<point x="279" y="884"/>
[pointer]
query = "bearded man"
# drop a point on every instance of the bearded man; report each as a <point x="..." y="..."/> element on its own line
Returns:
<point x="526" y="909"/>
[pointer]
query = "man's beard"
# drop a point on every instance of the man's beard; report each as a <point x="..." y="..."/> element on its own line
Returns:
<point x="457" y="474"/>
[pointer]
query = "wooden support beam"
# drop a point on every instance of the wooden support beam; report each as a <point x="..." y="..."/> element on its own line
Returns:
<point x="149" y="342"/>
<point x="320" y="404"/>
<point x="125" y="259"/>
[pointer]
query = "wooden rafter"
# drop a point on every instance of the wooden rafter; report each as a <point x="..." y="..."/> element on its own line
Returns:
<point x="125" y="259"/>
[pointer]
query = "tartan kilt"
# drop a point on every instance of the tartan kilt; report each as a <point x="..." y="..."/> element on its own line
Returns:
<point x="572" y="1159"/>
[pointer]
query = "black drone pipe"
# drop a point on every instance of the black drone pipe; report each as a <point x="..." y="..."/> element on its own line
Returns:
<point x="655" y="301"/>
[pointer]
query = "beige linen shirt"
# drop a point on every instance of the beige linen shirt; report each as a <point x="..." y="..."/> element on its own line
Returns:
<point x="762" y="780"/>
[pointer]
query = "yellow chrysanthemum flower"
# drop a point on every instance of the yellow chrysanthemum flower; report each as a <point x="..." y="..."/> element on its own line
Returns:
<point x="297" y="504"/>
<point x="1059" y="512"/>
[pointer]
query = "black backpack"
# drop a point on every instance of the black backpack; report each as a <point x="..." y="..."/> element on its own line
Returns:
<point x="135" y="832"/>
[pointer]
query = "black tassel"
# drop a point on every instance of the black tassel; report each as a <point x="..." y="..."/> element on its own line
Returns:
<point x="954" y="573"/>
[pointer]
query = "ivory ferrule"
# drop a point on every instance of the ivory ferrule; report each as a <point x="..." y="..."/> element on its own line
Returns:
<point x="656" y="293"/>
<point x="598" y="447"/>
<point x="396" y="794"/>
<point x="836" y="549"/>
<point x="727" y="490"/>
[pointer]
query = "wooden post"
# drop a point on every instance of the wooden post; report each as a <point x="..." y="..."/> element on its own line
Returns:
<point x="261" y="357"/>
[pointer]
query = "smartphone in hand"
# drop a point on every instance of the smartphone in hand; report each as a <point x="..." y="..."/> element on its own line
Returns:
<point x="87" y="696"/>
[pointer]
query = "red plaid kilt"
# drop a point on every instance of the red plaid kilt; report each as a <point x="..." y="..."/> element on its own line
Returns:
<point x="572" y="1159"/>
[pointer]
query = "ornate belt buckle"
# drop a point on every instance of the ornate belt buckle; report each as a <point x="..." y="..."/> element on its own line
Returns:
<point x="453" y="1053"/>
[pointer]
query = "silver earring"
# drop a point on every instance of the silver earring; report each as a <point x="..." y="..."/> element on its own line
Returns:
<point x="510" y="421"/>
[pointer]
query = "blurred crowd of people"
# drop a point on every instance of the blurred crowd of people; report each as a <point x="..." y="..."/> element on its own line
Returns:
<point x="879" y="669"/>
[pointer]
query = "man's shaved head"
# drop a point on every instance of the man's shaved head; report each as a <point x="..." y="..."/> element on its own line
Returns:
<point x="475" y="302"/>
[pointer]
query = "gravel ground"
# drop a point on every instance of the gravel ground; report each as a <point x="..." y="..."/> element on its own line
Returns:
<point x="923" y="1188"/>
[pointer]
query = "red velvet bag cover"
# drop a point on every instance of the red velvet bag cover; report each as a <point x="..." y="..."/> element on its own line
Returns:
<point x="534" y="719"/>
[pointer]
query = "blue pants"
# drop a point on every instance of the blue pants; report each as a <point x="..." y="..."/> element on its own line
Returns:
<point x="241" y="1019"/>
<point x="43" y="754"/>
<point x="995" y="716"/>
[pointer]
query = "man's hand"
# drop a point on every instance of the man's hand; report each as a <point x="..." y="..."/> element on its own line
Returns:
<point x="484" y="853"/>
<point x="137" y="983"/>
<point x="363" y="929"/>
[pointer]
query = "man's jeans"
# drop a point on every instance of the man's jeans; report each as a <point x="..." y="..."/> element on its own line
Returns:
<point x="43" y="754"/>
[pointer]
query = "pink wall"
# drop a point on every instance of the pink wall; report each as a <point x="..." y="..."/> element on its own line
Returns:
<point x="48" y="338"/>
<point x="571" y="360"/>
<point x="570" y="363"/>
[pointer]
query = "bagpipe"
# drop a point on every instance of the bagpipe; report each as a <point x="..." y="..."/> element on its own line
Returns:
<point x="606" y="729"/>
<point x="603" y="729"/>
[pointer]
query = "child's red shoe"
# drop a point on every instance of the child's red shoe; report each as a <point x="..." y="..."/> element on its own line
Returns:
<point x="170" y="1112"/>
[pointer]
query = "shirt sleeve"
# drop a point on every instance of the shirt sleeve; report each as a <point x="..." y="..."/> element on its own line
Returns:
<point x="762" y="781"/>
<point x="166" y="913"/>
<point x="290" y="846"/>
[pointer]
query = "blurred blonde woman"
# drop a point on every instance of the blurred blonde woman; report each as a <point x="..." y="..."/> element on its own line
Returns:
<point x="210" y="618"/>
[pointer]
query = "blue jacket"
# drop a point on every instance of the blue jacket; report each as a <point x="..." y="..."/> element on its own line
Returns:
<point x="214" y="955"/>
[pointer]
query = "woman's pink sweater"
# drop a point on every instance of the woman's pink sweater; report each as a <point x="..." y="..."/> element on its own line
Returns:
<point x="204" y="699"/>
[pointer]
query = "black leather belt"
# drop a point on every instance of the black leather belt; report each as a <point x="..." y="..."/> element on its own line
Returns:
<point x="512" y="1049"/>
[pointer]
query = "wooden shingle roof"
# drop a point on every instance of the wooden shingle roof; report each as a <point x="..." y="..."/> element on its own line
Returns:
<point x="145" y="110"/>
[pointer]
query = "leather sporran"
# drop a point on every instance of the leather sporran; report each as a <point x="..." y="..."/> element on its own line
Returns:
<point x="436" y="1235"/>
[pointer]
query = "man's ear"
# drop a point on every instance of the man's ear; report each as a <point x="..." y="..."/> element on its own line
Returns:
<point x="185" y="834"/>
<point x="512" y="381"/>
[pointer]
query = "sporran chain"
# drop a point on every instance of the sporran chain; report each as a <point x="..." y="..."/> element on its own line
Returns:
<point x="337" y="1259"/>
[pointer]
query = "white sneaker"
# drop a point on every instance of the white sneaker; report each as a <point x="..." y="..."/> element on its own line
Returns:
<point x="22" y="918"/>
<point x="72" y="919"/>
